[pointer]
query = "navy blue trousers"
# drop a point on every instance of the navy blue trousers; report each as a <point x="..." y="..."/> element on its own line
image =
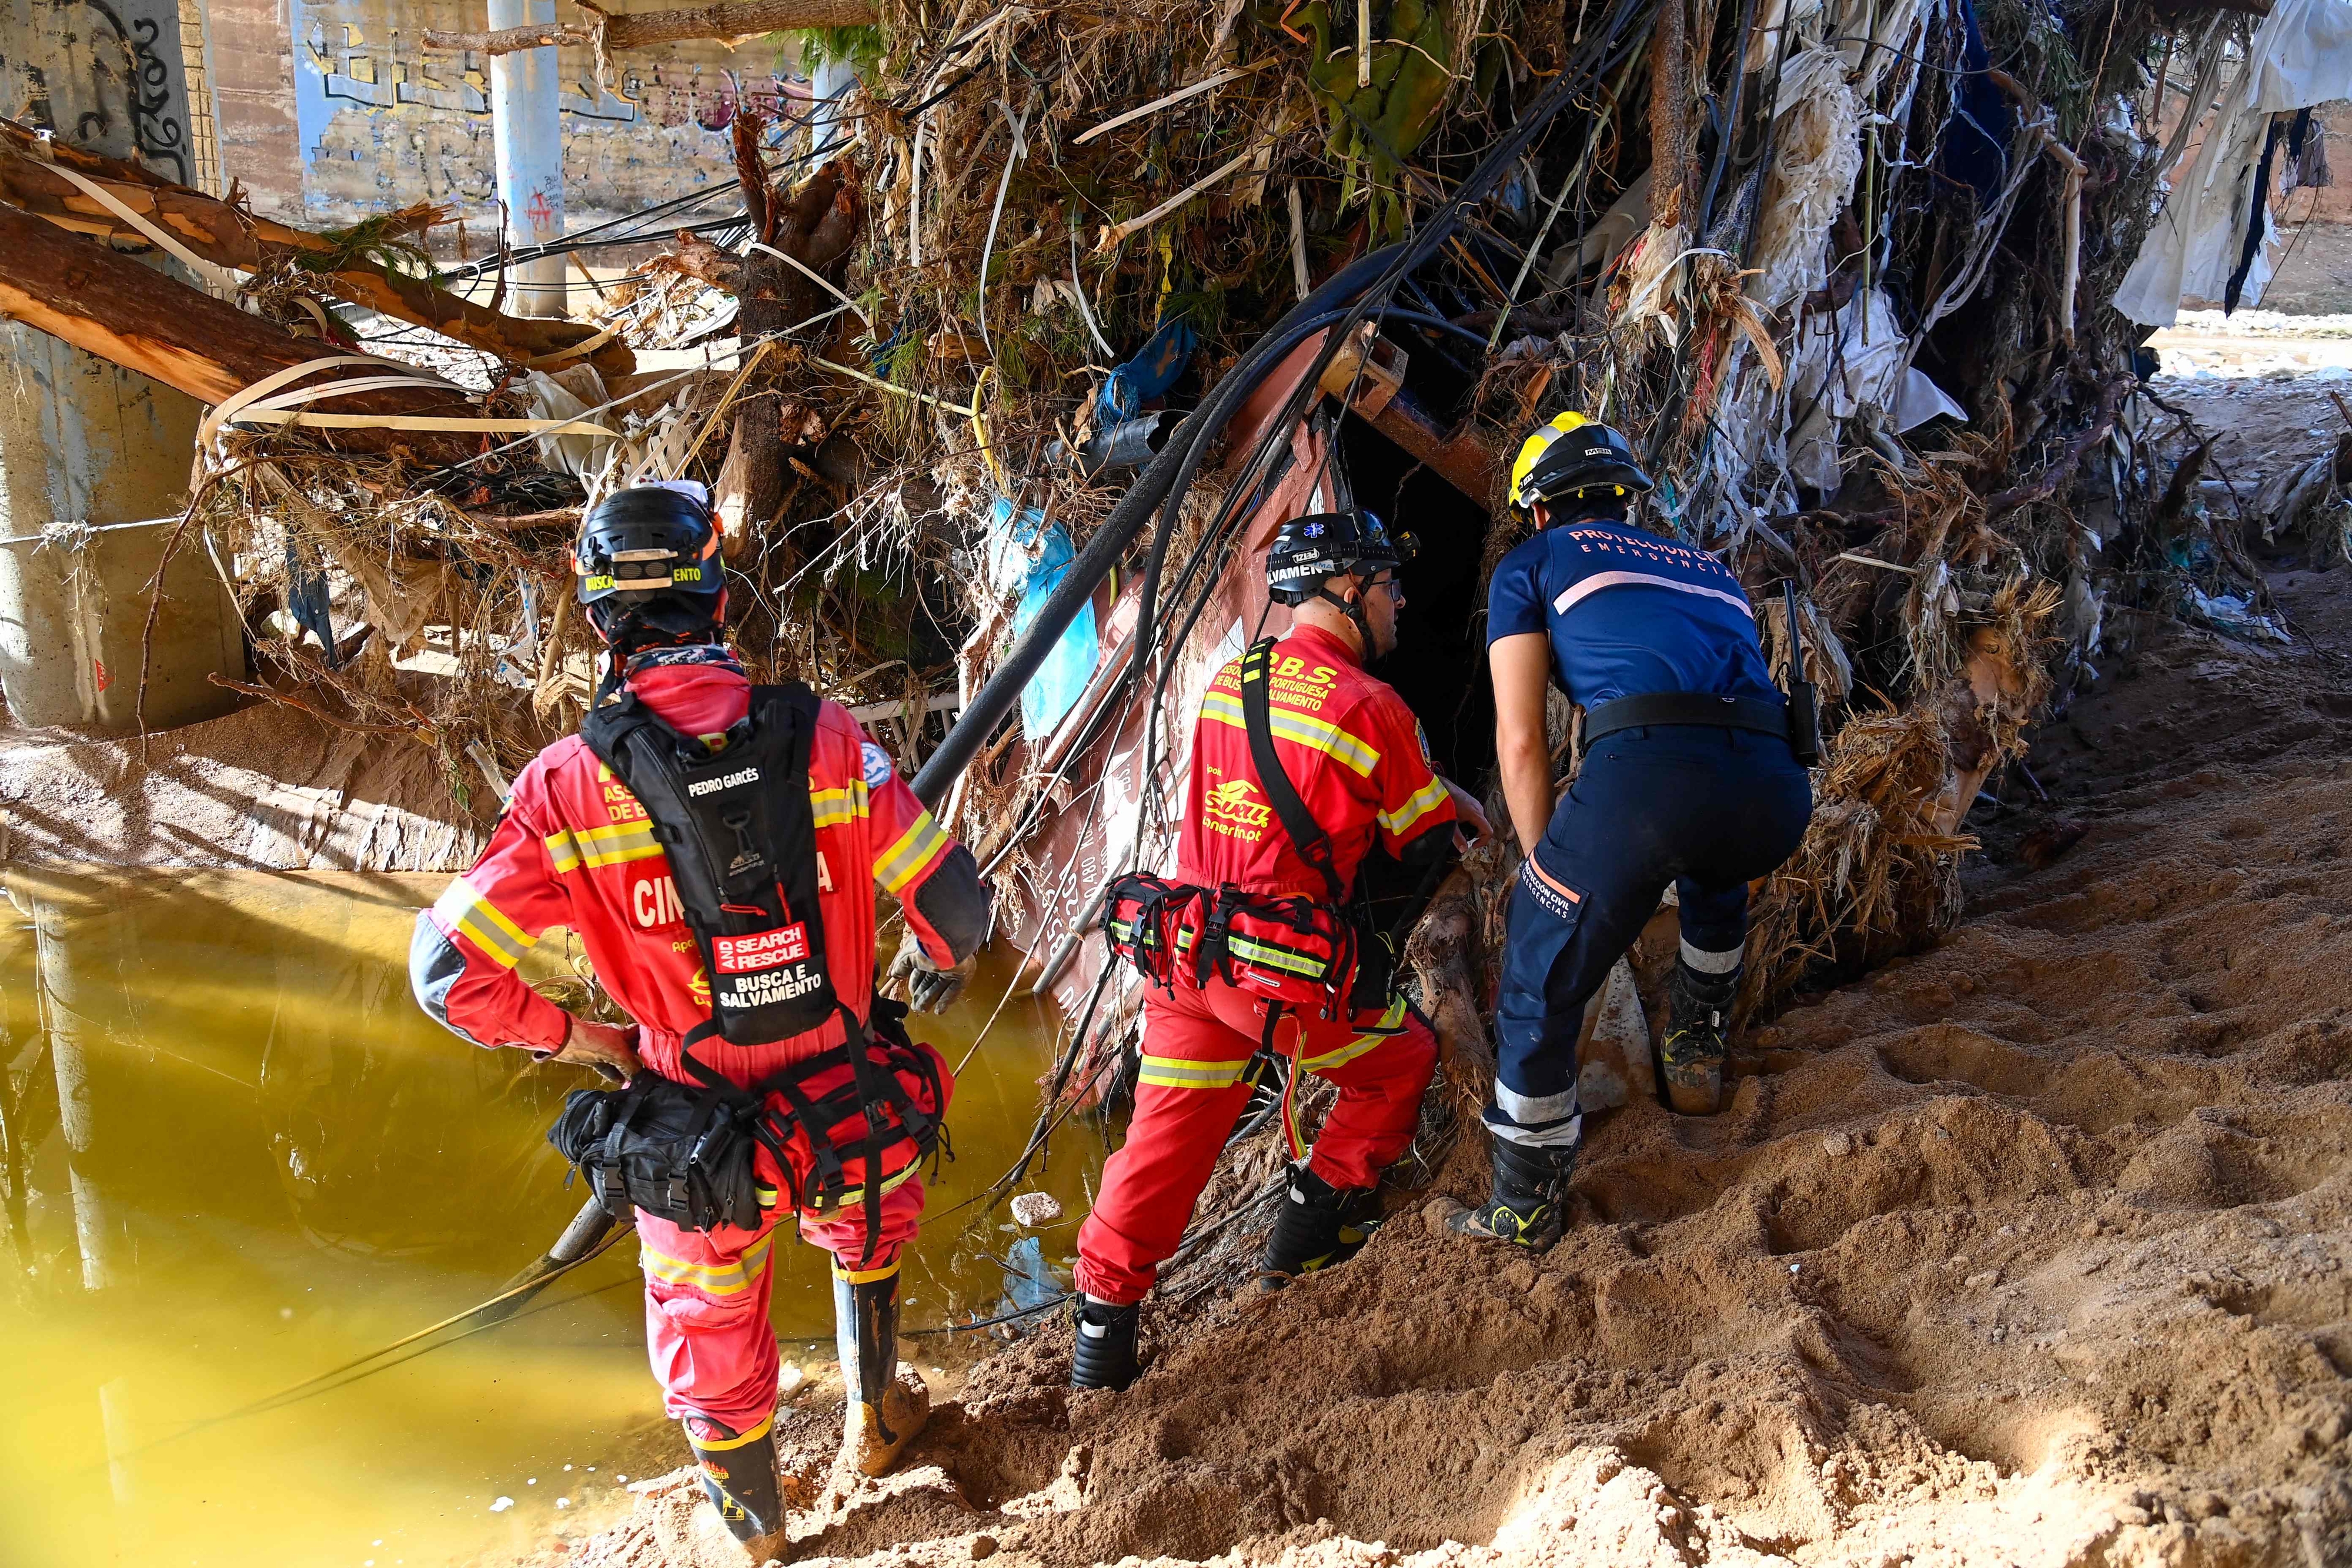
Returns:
<point x="1707" y="809"/>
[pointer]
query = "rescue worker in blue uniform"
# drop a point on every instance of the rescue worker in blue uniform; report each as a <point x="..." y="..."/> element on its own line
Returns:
<point x="1688" y="777"/>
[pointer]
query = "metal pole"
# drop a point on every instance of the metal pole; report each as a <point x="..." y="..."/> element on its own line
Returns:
<point x="526" y="118"/>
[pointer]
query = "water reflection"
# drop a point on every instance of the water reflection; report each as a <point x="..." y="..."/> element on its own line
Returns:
<point x="238" y="1157"/>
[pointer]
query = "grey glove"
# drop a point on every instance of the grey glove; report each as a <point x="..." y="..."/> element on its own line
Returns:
<point x="928" y="988"/>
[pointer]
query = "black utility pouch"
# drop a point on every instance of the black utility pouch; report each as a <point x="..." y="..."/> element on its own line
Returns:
<point x="679" y="1154"/>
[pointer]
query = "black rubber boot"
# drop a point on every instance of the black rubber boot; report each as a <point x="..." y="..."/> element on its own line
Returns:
<point x="740" y="1476"/>
<point x="1105" y="1356"/>
<point x="1318" y="1225"/>
<point x="1529" y="1186"/>
<point x="1690" y="1060"/>
<point x="884" y="1410"/>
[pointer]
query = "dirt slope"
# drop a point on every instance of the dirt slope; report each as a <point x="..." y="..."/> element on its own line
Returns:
<point x="2031" y="1250"/>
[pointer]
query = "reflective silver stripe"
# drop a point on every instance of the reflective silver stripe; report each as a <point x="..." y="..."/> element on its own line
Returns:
<point x="1708" y="963"/>
<point x="1585" y="589"/>
<point x="1567" y="1135"/>
<point x="1527" y="1109"/>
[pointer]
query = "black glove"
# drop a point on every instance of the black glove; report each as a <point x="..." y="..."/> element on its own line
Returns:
<point x="928" y="988"/>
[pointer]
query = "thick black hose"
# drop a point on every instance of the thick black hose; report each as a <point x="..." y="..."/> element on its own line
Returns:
<point x="1109" y="543"/>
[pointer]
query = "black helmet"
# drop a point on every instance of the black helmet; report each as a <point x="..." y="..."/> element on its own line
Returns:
<point x="644" y="542"/>
<point x="1571" y="454"/>
<point x="1308" y="552"/>
<point x="647" y="567"/>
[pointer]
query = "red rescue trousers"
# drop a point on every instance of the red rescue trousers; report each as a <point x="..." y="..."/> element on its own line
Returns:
<point x="1197" y="1046"/>
<point x="706" y="1294"/>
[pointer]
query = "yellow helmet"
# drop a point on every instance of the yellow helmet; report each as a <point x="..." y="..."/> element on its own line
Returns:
<point x="1548" y="467"/>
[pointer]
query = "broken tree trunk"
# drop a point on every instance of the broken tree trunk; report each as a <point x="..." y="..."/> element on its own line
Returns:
<point x="813" y="226"/>
<point x="228" y="236"/>
<point x="748" y="19"/>
<point x="107" y="304"/>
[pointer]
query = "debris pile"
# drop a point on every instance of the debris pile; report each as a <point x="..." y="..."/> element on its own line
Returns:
<point x="1840" y="271"/>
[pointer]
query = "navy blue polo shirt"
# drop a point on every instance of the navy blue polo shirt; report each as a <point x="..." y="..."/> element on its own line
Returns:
<point x="1630" y="612"/>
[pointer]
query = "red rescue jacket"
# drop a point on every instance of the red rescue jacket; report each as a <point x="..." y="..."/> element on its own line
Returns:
<point x="1353" y="751"/>
<point x="574" y="848"/>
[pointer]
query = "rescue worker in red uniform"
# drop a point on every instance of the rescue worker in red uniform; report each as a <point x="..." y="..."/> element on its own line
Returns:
<point x="577" y="847"/>
<point x="1253" y="949"/>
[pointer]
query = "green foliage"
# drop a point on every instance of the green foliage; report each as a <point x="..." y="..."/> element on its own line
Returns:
<point x="860" y="48"/>
<point x="1382" y="124"/>
<point x="2026" y="41"/>
<point x="377" y="240"/>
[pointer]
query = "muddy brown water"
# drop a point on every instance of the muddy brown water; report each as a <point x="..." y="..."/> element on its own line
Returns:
<point x="246" y="1159"/>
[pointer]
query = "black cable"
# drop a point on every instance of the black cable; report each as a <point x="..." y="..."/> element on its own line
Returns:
<point x="992" y="1322"/>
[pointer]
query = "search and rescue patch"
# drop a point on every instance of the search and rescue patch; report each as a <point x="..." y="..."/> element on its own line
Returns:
<point x="762" y="950"/>
<point x="879" y="767"/>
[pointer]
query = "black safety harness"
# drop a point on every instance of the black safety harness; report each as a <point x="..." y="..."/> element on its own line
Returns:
<point x="1353" y="960"/>
<point x="740" y="838"/>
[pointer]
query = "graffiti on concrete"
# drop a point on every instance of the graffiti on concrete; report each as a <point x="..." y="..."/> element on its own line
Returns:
<point x="781" y="99"/>
<point x="127" y="66"/>
<point x="382" y="122"/>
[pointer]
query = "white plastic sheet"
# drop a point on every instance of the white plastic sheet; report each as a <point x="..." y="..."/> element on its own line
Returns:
<point x="1817" y="154"/>
<point x="1842" y="362"/>
<point x="2302" y="56"/>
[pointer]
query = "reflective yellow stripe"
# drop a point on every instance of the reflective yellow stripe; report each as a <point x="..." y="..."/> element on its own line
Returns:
<point x="1427" y="799"/>
<point x="855" y="1195"/>
<point x="480" y="920"/>
<point x="570" y="851"/>
<point x="897" y="866"/>
<point x="831" y="808"/>
<point x="716" y="1445"/>
<point x="765" y="1194"/>
<point x="712" y="1278"/>
<point x="866" y="1276"/>
<point x="1392" y="1025"/>
<point x="1267" y="953"/>
<point x="1177" y="1072"/>
<point x="1225" y="707"/>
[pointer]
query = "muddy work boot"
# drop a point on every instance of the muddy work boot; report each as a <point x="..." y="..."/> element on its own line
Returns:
<point x="739" y="1474"/>
<point x="1524" y="1208"/>
<point x="886" y="1408"/>
<point x="1318" y="1226"/>
<point x="1690" y="1060"/>
<point x="1105" y="1356"/>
